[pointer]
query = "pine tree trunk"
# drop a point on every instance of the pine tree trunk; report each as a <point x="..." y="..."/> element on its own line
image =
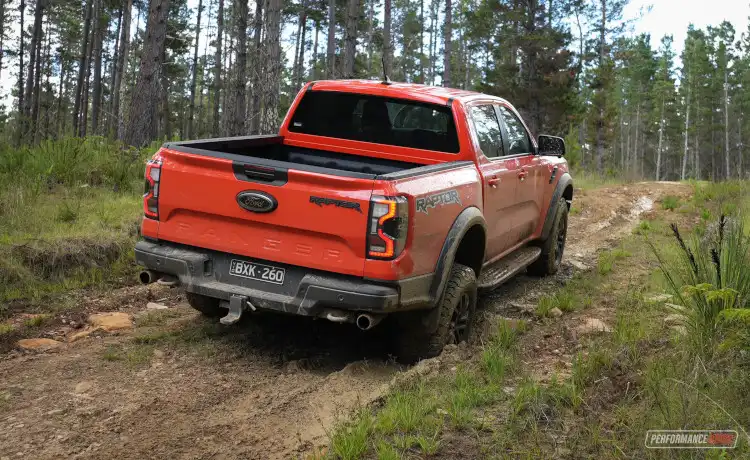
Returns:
<point x="194" y="77"/>
<point x="19" y="129"/>
<point x="218" y="67"/>
<point x="433" y="40"/>
<point x="421" y="42"/>
<point x="300" y="67"/>
<point x="740" y="145"/>
<point x="236" y="107"/>
<point x="37" y="107"/>
<point x="297" y="38"/>
<point x="82" y="66"/>
<point x="141" y="129"/>
<point x="370" y="33"/>
<point x="687" y="126"/>
<point x="118" y="91"/>
<point x="83" y="125"/>
<point x="270" y="121"/>
<point x="350" y="39"/>
<point x="258" y="70"/>
<point x="447" y="44"/>
<point x="97" y="55"/>
<point x="331" y="50"/>
<point x="2" y="35"/>
<point x="314" y="60"/>
<point x="60" y="115"/>
<point x="27" y="127"/>
<point x="726" y="124"/>
<point x="387" y="45"/>
<point x="110" y="118"/>
<point x="661" y="138"/>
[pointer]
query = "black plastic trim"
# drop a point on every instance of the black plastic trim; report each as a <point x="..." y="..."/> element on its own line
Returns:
<point x="249" y="172"/>
<point x="315" y="291"/>
<point x="276" y="164"/>
<point x="562" y="184"/>
<point x="466" y="219"/>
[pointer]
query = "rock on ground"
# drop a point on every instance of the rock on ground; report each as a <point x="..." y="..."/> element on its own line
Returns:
<point x="593" y="326"/>
<point x="40" y="344"/>
<point x="113" y="321"/>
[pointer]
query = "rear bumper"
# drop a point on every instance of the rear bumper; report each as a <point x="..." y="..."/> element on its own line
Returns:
<point x="305" y="291"/>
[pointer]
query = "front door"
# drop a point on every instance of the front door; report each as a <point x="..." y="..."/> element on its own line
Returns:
<point x="499" y="181"/>
<point x="529" y="187"/>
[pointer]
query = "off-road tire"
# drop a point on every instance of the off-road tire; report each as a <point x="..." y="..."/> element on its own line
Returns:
<point x="553" y="247"/>
<point x="208" y="306"/>
<point x="415" y="342"/>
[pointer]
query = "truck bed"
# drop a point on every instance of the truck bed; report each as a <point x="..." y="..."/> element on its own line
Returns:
<point x="272" y="149"/>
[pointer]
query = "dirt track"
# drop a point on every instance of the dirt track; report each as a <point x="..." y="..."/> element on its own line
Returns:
<point x="269" y="388"/>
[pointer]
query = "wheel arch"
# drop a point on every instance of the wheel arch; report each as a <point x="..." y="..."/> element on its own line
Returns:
<point x="563" y="189"/>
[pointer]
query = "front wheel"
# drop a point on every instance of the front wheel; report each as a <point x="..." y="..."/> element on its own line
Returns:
<point x="553" y="247"/>
<point x="456" y="310"/>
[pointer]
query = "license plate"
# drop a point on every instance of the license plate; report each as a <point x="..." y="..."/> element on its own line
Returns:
<point x="255" y="271"/>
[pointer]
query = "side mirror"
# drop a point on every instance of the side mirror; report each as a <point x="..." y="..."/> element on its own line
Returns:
<point x="551" y="145"/>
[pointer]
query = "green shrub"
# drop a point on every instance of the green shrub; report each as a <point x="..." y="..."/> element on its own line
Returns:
<point x="708" y="275"/>
<point x="670" y="202"/>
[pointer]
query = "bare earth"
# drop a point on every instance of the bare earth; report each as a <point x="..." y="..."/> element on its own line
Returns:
<point x="269" y="388"/>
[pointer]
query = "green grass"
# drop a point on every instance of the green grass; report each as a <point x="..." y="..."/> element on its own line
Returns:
<point x="36" y="320"/>
<point x="670" y="202"/>
<point x="69" y="217"/>
<point x="6" y="328"/>
<point x="640" y="376"/>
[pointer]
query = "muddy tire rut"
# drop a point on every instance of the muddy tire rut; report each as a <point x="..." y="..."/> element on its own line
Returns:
<point x="270" y="387"/>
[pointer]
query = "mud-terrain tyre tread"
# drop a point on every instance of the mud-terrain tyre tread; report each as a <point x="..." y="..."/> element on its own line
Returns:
<point x="548" y="262"/>
<point x="208" y="306"/>
<point x="414" y="342"/>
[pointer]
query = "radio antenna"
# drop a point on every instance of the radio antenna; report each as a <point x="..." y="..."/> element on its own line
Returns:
<point x="385" y="81"/>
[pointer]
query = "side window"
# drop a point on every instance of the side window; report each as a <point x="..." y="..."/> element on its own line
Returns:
<point x="518" y="138"/>
<point x="488" y="130"/>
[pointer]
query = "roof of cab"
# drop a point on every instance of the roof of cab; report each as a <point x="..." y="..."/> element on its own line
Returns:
<point x="423" y="93"/>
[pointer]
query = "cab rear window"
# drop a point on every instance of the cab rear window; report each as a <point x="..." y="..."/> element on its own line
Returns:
<point x="376" y="119"/>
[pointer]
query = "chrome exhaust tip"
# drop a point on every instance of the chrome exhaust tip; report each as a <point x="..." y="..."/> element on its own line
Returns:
<point x="366" y="321"/>
<point x="149" y="276"/>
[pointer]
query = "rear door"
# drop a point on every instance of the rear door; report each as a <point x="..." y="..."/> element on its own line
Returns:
<point x="498" y="180"/>
<point x="234" y="205"/>
<point x="529" y="175"/>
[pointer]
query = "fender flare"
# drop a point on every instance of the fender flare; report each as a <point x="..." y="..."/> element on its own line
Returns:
<point x="465" y="220"/>
<point x="563" y="183"/>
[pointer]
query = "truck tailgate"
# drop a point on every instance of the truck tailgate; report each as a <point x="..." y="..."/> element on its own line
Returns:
<point x="319" y="220"/>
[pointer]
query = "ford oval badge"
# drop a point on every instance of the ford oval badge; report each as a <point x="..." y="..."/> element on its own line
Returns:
<point x="256" y="201"/>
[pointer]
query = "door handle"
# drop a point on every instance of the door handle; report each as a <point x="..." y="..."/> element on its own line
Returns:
<point x="493" y="181"/>
<point x="522" y="175"/>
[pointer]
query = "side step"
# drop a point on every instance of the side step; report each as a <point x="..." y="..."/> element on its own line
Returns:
<point x="507" y="267"/>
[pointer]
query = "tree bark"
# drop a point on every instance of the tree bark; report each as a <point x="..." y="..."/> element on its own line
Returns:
<point x="97" y="55"/>
<point x="314" y="60"/>
<point x="270" y="121"/>
<point x="258" y="70"/>
<point x="387" y="44"/>
<point x="300" y="68"/>
<point x="82" y="66"/>
<point x="236" y="105"/>
<point x="350" y="39"/>
<point x="122" y="54"/>
<point x="194" y="77"/>
<point x="141" y="127"/>
<point x="661" y="138"/>
<point x="217" y="67"/>
<point x="447" y="44"/>
<point x="331" y="51"/>
<point x="421" y="42"/>
<point x="726" y="124"/>
<point x="687" y="125"/>
<point x="26" y="124"/>
<point x="2" y="35"/>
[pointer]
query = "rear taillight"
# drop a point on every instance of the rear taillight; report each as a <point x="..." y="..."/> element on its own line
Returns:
<point x="387" y="227"/>
<point x="151" y="192"/>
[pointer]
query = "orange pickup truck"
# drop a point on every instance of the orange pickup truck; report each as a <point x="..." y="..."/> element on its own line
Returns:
<point x="375" y="201"/>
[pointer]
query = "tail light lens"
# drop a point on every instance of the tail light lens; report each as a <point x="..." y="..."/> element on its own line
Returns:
<point x="151" y="192"/>
<point x="387" y="227"/>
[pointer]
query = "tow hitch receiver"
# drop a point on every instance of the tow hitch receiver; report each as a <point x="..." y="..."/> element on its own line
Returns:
<point x="236" y="307"/>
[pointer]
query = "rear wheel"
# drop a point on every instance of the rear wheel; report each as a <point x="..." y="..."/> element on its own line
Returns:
<point x="553" y="247"/>
<point x="208" y="306"/>
<point x="456" y="310"/>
